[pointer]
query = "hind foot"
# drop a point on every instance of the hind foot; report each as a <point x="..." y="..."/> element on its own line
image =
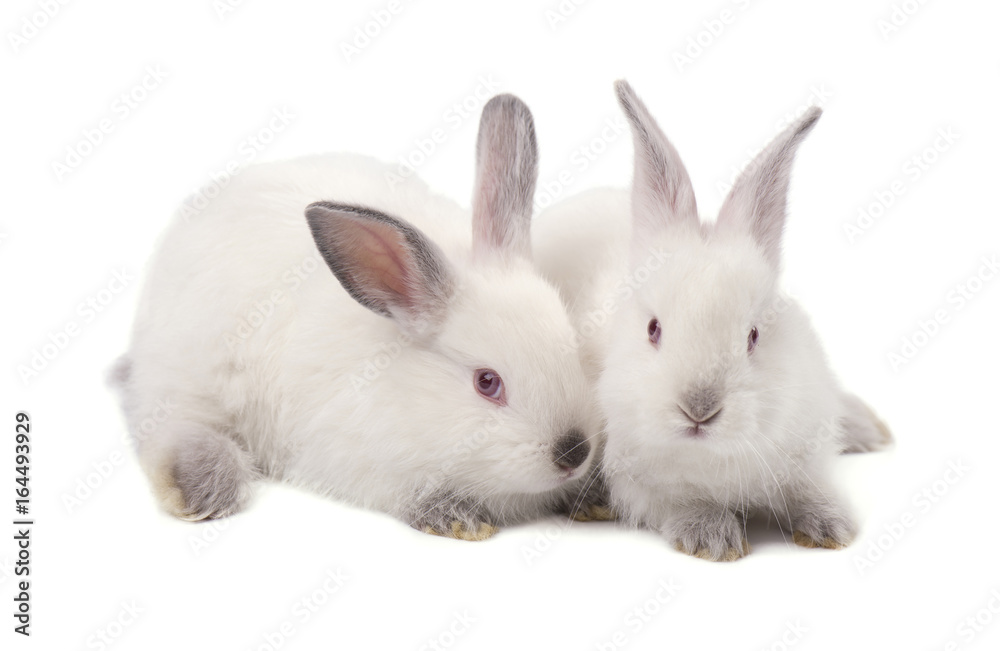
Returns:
<point x="200" y="474"/>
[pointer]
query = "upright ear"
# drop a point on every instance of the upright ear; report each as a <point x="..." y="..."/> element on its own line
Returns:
<point x="662" y="194"/>
<point x="386" y="264"/>
<point x="756" y="204"/>
<point x="506" y="172"/>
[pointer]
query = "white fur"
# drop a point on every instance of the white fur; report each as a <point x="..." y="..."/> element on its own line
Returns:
<point x="779" y="402"/>
<point x="621" y="261"/>
<point x="294" y="394"/>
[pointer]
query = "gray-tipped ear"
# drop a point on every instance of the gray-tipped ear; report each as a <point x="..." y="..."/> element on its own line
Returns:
<point x="506" y="172"/>
<point x="387" y="265"/>
<point x="756" y="204"/>
<point x="662" y="194"/>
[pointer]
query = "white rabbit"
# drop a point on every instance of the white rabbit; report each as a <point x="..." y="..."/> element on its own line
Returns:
<point x="716" y="393"/>
<point x="432" y="382"/>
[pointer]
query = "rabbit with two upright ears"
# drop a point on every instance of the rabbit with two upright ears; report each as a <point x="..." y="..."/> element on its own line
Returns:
<point x="427" y="376"/>
<point x="718" y="400"/>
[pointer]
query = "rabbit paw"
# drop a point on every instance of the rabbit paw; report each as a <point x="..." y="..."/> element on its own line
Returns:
<point x="441" y="514"/>
<point x="459" y="530"/>
<point x="592" y="503"/>
<point x="712" y="553"/>
<point x="823" y="527"/>
<point x="712" y="536"/>
<point x="594" y="512"/>
<point x="203" y="475"/>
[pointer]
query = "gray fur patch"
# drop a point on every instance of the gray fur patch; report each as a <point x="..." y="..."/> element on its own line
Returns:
<point x="506" y="173"/>
<point x="213" y="475"/>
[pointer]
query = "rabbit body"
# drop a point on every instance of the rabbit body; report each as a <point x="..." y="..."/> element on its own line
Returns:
<point x="717" y="397"/>
<point x="266" y="367"/>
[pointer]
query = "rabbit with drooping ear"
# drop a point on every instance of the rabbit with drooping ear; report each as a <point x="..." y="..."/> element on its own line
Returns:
<point x="427" y="376"/>
<point x="717" y="397"/>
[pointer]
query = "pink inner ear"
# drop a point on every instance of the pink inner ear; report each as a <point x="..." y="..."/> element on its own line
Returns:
<point x="381" y="252"/>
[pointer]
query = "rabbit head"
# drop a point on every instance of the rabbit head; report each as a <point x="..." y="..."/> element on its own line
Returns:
<point x="708" y="361"/>
<point x="487" y="393"/>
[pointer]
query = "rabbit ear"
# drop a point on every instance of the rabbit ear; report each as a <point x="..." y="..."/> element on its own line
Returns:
<point x="662" y="194"/>
<point x="506" y="172"/>
<point x="756" y="204"/>
<point x="386" y="264"/>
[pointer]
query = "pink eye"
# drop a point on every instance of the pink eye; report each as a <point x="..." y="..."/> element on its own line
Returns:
<point x="490" y="385"/>
<point x="752" y="339"/>
<point x="654" y="331"/>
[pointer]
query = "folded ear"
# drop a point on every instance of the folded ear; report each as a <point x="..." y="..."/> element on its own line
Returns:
<point x="756" y="204"/>
<point x="387" y="265"/>
<point x="506" y="172"/>
<point x="662" y="194"/>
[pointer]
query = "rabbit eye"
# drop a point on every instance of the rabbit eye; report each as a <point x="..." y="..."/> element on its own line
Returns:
<point x="752" y="339"/>
<point x="654" y="331"/>
<point x="490" y="386"/>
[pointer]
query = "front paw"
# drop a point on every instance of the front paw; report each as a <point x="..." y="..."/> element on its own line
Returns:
<point x="592" y="502"/>
<point x="462" y="531"/>
<point x="712" y="536"/>
<point x="593" y="512"/>
<point x="442" y="514"/>
<point x="823" y="527"/>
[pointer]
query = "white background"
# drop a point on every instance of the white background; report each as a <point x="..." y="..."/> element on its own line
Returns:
<point x="234" y="585"/>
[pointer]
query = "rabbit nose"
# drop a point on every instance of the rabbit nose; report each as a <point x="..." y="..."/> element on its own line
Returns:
<point x="702" y="405"/>
<point x="571" y="450"/>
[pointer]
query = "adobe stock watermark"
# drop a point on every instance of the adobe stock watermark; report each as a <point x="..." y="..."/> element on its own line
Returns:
<point x="899" y="15"/>
<point x="818" y="95"/>
<point x="543" y="541"/>
<point x="99" y="472"/>
<point x="559" y="14"/>
<point x="452" y="119"/>
<point x="449" y="635"/>
<point x="87" y="311"/>
<point x="624" y="289"/>
<point x="914" y="169"/>
<point x="955" y="300"/>
<point x="976" y="623"/>
<point x="829" y="433"/>
<point x="580" y="160"/>
<point x="789" y="637"/>
<point x="284" y="287"/>
<point x="223" y="8"/>
<point x="157" y="415"/>
<point x="386" y="354"/>
<point x="710" y="31"/>
<point x="303" y="610"/>
<point x="121" y="108"/>
<point x="457" y="454"/>
<point x="247" y="151"/>
<point x="368" y="32"/>
<point x="34" y="23"/>
<point x="208" y="533"/>
<point x="923" y="502"/>
<point x="7" y="568"/>
<point x="108" y="634"/>
<point x="640" y="616"/>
